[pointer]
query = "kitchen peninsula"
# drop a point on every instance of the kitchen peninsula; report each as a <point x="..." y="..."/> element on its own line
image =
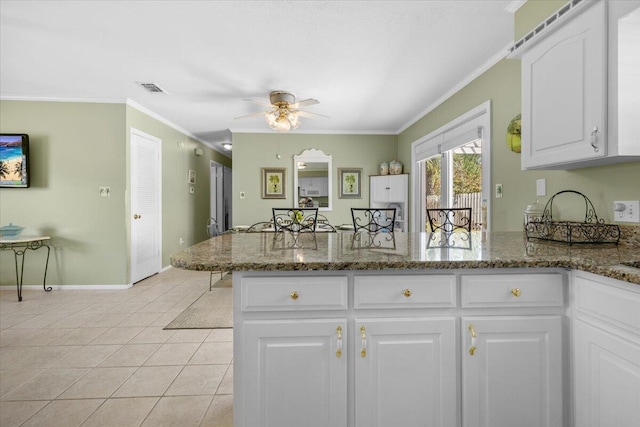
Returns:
<point x="337" y="329"/>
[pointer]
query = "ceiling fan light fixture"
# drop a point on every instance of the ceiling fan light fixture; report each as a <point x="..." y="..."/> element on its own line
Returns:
<point x="281" y="124"/>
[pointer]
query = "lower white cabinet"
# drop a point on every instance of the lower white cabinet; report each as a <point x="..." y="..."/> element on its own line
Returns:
<point x="295" y="373"/>
<point x="607" y="380"/>
<point x="512" y="371"/>
<point x="606" y="352"/>
<point x="351" y="349"/>
<point x="404" y="372"/>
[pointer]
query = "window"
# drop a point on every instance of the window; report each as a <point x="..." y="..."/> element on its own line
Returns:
<point x="452" y="167"/>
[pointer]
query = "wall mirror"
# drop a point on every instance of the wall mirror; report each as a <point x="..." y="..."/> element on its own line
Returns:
<point x="312" y="184"/>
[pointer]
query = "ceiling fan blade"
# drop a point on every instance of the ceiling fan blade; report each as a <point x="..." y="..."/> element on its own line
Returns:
<point x="259" y="102"/>
<point x="310" y="115"/>
<point x="261" y="113"/>
<point x="304" y="103"/>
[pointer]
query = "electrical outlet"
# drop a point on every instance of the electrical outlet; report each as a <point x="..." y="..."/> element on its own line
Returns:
<point x="628" y="211"/>
<point x="498" y="191"/>
<point x="104" y="191"/>
<point x="181" y="241"/>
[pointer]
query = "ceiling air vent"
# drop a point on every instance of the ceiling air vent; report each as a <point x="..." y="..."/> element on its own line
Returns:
<point x="152" y="87"/>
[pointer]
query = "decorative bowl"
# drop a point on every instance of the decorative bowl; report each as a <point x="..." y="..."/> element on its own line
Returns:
<point x="11" y="230"/>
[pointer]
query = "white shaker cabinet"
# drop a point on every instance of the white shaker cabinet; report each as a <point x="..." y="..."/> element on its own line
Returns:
<point x="385" y="190"/>
<point x="404" y="372"/>
<point x="512" y="371"/>
<point x="606" y="352"/>
<point x="295" y="371"/>
<point x="389" y="188"/>
<point x="511" y="363"/>
<point x="564" y="97"/>
<point x="383" y="349"/>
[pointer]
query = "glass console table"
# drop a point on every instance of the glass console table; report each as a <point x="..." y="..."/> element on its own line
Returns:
<point x="20" y="245"/>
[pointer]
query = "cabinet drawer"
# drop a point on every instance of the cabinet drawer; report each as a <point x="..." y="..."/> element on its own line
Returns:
<point x="404" y="291"/>
<point x="512" y="290"/>
<point x="609" y="300"/>
<point x="294" y="293"/>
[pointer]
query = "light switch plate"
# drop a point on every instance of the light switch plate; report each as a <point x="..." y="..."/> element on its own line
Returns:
<point x="627" y="211"/>
<point x="541" y="187"/>
<point x="498" y="191"/>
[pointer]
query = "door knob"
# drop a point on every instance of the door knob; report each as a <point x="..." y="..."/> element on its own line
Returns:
<point x="136" y="216"/>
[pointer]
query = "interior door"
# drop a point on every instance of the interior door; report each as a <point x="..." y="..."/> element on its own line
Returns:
<point x="217" y="208"/>
<point x="145" y="205"/>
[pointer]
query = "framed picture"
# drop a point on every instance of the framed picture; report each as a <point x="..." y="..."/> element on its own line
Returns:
<point x="274" y="183"/>
<point x="350" y="183"/>
<point x="191" y="177"/>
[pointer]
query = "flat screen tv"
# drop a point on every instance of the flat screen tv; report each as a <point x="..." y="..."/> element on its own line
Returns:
<point x="14" y="160"/>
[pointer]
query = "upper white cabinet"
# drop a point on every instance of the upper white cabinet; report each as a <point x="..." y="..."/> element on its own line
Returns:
<point x="570" y="90"/>
<point x="315" y="186"/>
<point x="391" y="189"/>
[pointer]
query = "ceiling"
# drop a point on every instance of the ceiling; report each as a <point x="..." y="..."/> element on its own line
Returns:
<point x="375" y="66"/>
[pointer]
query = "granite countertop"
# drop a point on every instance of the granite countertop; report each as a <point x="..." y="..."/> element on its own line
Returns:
<point x="346" y="251"/>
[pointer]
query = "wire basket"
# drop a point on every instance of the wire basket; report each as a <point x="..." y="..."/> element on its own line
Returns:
<point x="591" y="230"/>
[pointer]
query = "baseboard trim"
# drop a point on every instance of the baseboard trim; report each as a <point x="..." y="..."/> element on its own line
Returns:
<point x="67" y="287"/>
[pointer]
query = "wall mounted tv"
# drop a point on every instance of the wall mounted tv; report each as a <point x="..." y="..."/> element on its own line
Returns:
<point x="14" y="160"/>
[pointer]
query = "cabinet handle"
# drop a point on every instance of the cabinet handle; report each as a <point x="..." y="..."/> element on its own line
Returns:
<point x="406" y="292"/>
<point x="594" y="139"/>
<point x="339" y="342"/>
<point x="363" y="352"/>
<point x="474" y="341"/>
<point x="516" y="292"/>
<point x="294" y="295"/>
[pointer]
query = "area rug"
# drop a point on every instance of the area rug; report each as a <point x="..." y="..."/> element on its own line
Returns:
<point x="213" y="310"/>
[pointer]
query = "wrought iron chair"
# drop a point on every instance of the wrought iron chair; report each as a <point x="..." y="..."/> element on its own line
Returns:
<point x="373" y="220"/>
<point x="323" y="224"/>
<point x="260" y="227"/>
<point x="295" y="219"/>
<point x="449" y="219"/>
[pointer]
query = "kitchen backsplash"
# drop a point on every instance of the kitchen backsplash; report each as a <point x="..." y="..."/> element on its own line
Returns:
<point x="630" y="235"/>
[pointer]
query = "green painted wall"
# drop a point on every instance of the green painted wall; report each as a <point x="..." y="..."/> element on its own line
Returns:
<point x="501" y="85"/>
<point x="183" y="214"/>
<point x="76" y="148"/>
<point x="260" y="150"/>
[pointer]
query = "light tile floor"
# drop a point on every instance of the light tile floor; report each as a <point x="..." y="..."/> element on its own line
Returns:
<point x="101" y="358"/>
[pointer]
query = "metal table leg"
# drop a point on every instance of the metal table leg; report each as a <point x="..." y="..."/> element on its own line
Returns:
<point x="19" y="252"/>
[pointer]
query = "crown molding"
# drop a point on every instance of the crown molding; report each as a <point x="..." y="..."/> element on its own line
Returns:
<point x="133" y="104"/>
<point x="54" y="99"/>
<point x="514" y="5"/>
<point x="499" y="56"/>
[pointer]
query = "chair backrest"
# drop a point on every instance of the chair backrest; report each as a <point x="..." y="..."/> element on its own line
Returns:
<point x="295" y="219"/>
<point x="373" y="220"/>
<point x="322" y="224"/>
<point x="449" y="219"/>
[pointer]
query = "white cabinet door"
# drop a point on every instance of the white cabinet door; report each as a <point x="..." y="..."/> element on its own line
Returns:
<point x="397" y="188"/>
<point x="607" y="378"/>
<point x="379" y="189"/>
<point x="407" y="373"/>
<point x="564" y="100"/>
<point x="293" y="373"/>
<point x="514" y="376"/>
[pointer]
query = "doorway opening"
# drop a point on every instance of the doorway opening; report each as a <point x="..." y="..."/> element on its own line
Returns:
<point x="220" y="198"/>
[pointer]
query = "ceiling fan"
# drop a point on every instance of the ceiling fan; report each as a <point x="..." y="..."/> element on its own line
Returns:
<point x="284" y="113"/>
